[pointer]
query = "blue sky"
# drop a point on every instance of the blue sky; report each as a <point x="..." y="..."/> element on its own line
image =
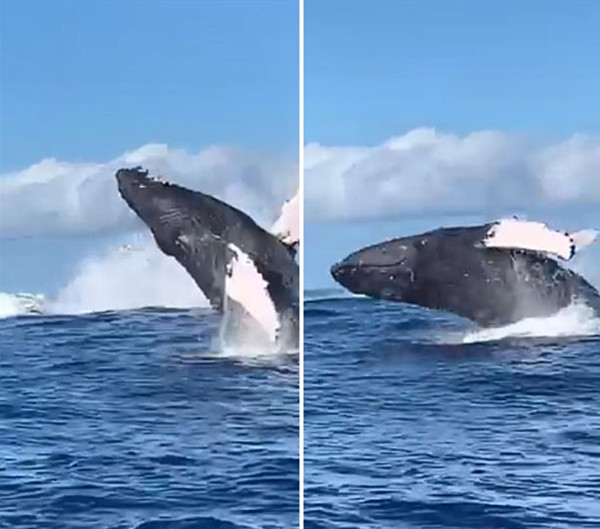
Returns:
<point x="374" y="69"/>
<point x="86" y="80"/>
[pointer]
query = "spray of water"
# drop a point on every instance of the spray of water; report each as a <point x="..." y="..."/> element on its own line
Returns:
<point x="574" y="320"/>
<point x="126" y="276"/>
<point x="135" y="274"/>
<point x="22" y="303"/>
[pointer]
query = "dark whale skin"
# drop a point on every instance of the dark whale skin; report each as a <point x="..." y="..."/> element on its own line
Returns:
<point x="195" y="229"/>
<point x="450" y="269"/>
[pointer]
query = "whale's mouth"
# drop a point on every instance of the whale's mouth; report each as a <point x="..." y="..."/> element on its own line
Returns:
<point x="342" y="268"/>
<point x="389" y="259"/>
<point x="377" y="268"/>
<point x="385" y="281"/>
<point x="138" y="177"/>
<point x="338" y="270"/>
<point x="343" y="273"/>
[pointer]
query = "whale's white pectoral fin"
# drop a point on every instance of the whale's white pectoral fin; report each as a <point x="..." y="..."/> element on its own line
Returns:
<point x="534" y="236"/>
<point x="245" y="285"/>
<point x="287" y="226"/>
<point x="584" y="238"/>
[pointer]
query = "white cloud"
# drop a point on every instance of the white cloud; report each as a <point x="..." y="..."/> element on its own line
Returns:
<point x="570" y="171"/>
<point x="55" y="197"/>
<point x="422" y="171"/>
<point x="425" y="171"/>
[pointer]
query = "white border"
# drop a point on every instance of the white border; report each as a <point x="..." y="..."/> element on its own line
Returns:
<point x="301" y="256"/>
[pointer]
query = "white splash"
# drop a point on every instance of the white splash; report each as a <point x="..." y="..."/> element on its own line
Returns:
<point x="128" y="276"/>
<point x="574" y="320"/>
<point x="12" y="305"/>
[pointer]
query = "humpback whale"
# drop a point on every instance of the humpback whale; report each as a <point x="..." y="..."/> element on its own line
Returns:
<point x="494" y="274"/>
<point x="246" y="273"/>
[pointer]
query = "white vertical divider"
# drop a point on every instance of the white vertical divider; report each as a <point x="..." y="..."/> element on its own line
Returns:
<point x="301" y="254"/>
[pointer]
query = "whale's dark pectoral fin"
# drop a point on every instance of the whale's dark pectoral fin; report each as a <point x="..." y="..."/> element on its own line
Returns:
<point x="202" y="255"/>
<point x="211" y="259"/>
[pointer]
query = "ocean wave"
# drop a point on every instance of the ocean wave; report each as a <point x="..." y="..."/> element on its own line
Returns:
<point x="575" y="320"/>
<point x="322" y="294"/>
<point x="129" y="276"/>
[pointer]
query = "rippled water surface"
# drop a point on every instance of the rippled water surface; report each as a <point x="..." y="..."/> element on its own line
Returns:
<point x="128" y="420"/>
<point x="407" y="427"/>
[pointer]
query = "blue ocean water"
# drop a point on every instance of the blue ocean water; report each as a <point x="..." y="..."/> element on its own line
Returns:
<point x="124" y="420"/>
<point x="407" y="426"/>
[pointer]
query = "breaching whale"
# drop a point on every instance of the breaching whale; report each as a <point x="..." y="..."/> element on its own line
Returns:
<point x="245" y="272"/>
<point x="494" y="274"/>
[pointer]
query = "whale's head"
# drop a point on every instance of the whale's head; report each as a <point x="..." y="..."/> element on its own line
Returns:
<point x="173" y="212"/>
<point x="385" y="270"/>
